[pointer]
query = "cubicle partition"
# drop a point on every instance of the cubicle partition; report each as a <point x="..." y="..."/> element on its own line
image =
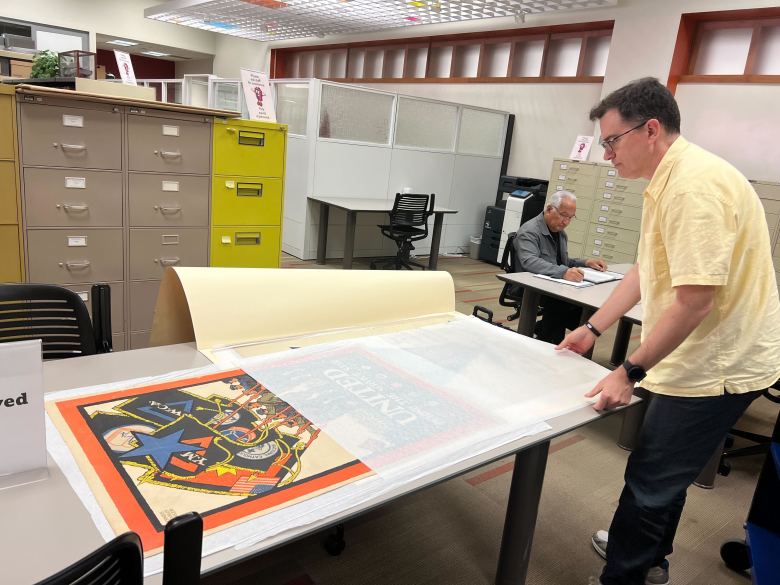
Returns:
<point x="354" y="142"/>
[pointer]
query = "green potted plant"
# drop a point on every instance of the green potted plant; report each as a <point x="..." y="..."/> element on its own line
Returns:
<point x="45" y="65"/>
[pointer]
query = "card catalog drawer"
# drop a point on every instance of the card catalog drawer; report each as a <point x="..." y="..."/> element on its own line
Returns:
<point x="117" y="302"/>
<point x="73" y="256"/>
<point x="624" y="197"/>
<point x="609" y="256"/>
<point x="613" y="185"/>
<point x="248" y="148"/>
<point x="571" y="167"/>
<point x="613" y="233"/>
<point x="605" y="244"/>
<point x="153" y="250"/>
<point x="627" y="223"/>
<point x="143" y="298"/>
<point x="246" y="201"/>
<point x="168" y="146"/>
<point x="168" y="200"/>
<point x="617" y="210"/>
<point x="59" y="197"/>
<point x="579" y="190"/>
<point x="245" y="246"/>
<point x="55" y="136"/>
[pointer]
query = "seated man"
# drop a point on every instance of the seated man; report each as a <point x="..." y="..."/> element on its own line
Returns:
<point x="541" y="247"/>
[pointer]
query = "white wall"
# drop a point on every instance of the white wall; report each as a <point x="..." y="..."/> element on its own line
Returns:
<point x="194" y="66"/>
<point x="234" y="53"/>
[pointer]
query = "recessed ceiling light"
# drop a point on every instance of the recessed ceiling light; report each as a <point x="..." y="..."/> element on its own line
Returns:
<point x="121" y="43"/>
<point x="155" y="54"/>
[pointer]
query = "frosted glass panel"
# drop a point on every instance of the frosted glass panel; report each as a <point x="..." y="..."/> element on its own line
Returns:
<point x="292" y="101"/>
<point x="425" y="124"/>
<point x="723" y="51"/>
<point x="768" y="58"/>
<point x="352" y="114"/>
<point x="226" y="96"/>
<point x="481" y="132"/>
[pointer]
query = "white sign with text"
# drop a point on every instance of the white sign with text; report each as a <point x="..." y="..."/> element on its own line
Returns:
<point x="581" y="148"/>
<point x="125" y="67"/>
<point x="257" y="94"/>
<point x="22" y="421"/>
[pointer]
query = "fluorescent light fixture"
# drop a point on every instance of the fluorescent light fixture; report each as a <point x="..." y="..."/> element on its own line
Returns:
<point x="121" y="43"/>
<point x="155" y="54"/>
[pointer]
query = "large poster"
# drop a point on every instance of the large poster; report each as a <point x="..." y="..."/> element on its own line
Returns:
<point x="222" y="445"/>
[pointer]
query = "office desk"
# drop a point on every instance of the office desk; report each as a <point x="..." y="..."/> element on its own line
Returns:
<point x="590" y="298"/>
<point x="355" y="206"/>
<point x="45" y="527"/>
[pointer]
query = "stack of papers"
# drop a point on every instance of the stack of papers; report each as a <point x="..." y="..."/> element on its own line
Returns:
<point x="591" y="277"/>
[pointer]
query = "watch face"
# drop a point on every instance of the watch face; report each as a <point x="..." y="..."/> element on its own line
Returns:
<point x="634" y="373"/>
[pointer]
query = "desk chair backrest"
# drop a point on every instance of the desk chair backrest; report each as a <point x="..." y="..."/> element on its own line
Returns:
<point x="55" y="315"/>
<point x="512" y="294"/>
<point x="412" y="210"/>
<point x="118" y="562"/>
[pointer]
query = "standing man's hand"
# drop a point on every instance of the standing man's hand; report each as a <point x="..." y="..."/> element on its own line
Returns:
<point x="614" y="390"/>
<point x="596" y="264"/>
<point x="579" y="341"/>
<point x="574" y="274"/>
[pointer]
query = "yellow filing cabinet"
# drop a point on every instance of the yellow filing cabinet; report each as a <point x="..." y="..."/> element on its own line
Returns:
<point x="247" y="193"/>
<point x="11" y="261"/>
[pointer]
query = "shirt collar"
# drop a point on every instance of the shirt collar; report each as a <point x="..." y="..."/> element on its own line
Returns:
<point x="660" y="178"/>
<point x="543" y="225"/>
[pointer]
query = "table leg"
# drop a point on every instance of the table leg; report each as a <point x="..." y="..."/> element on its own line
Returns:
<point x="349" y="239"/>
<point x="528" y="308"/>
<point x="322" y="237"/>
<point x="586" y="314"/>
<point x="622" y="337"/>
<point x="433" y="259"/>
<point x="522" y="509"/>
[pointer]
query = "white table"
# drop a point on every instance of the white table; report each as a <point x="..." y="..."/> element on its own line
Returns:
<point x="45" y="527"/>
<point x="355" y="206"/>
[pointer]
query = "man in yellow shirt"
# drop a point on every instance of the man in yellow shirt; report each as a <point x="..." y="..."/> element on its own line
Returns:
<point x="711" y="324"/>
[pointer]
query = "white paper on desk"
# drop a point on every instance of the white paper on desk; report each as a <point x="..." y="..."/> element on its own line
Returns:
<point x="582" y="284"/>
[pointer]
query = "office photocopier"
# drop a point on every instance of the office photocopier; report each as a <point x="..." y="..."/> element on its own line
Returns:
<point x="521" y="199"/>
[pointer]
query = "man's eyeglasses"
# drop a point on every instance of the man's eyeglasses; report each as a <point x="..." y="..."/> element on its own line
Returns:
<point x="609" y="143"/>
<point x="565" y="216"/>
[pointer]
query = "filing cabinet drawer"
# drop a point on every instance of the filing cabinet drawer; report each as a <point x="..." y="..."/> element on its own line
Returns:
<point x="571" y="167"/>
<point x="168" y="145"/>
<point x="139" y="339"/>
<point x="617" y="210"/>
<point x="246" y="201"/>
<point x="628" y="223"/>
<point x="767" y="190"/>
<point x="10" y="259"/>
<point x="618" y="185"/>
<point x="771" y="205"/>
<point x="578" y="190"/>
<point x="117" y="302"/>
<point x="608" y="171"/>
<point x="249" y="148"/>
<point x="609" y="256"/>
<point x="576" y="250"/>
<point x="75" y="255"/>
<point x="6" y="126"/>
<point x="8" y="208"/>
<point x="245" y="246"/>
<point x="153" y="250"/>
<point x="143" y="298"/>
<point x="66" y="197"/>
<point x="623" y="197"/>
<point x="613" y="233"/>
<point x="604" y="244"/>
<point x="574" y="179"/>
<point x="118" y="342"/>
<point x="577" y="230"/>
<point x="55" y="136"/>
<point x="168" y="200"/>
<point x="771" y="222"/>
<point x="776" y="250"/>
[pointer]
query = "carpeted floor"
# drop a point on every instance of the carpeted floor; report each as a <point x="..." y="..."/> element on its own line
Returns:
<point x="450" y="534"/>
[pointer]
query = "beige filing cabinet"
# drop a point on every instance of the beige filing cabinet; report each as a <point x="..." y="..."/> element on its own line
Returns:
<point x="769" y="193"/>
<point x="113" y="191"/>
<point x="609" y="210"/>
<point x="11" y="264"/>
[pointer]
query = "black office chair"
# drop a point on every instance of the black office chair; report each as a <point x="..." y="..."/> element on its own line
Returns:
<point x="58" y="317"/>
<point x="512" y="294"/>
<point x="118" y="562"/>
<point x="408" y="223"/>
<point x="121" y="561"/>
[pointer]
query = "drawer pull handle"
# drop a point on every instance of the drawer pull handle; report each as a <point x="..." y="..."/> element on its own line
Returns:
<point x="249" y="189"/>
<point x="251" y="138"/>
<point x="168" y="261"/>
<point x="247" y="239"/>
<point x="168" y="210"/>
<point x="76" y="208"/>
<point x="621" y="187"/>
<point x="169" y="154"/>
<point x="71" y="147"/>
<point x="78" y="265"/>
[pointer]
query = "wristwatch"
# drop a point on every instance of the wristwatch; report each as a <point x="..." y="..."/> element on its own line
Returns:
<point x="635" y="373"/>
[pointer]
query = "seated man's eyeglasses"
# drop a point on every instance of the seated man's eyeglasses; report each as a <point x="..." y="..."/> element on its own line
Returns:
<point x="608" y="144"/>
<point x="565" y="216"/>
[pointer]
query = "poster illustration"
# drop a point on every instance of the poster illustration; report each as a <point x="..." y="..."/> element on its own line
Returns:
<point x="258" y="97"/>
<point x="223" y="445"/>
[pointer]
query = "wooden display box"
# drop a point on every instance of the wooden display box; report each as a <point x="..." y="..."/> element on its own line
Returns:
<point x="77" y="64"/>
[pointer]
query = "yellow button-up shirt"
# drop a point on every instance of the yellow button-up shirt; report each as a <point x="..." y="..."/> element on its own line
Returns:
<point x="703" y="224"/>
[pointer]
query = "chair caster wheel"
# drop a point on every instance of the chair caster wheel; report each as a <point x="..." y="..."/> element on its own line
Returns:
<point x="736" y="554"/>
<point x="334" y="542"/>
<point x="724" y="468"/>
<point x="729" y="442"/>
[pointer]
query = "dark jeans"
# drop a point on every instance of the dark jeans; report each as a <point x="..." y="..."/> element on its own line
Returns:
<point x="558" y="316"/>
<point x="678" y="437"/>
